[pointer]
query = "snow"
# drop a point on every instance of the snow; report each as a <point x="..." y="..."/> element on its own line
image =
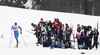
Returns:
<point x="24" y="18"/>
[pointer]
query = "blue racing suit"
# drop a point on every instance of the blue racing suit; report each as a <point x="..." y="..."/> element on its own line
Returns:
<point x="16" y="32"/>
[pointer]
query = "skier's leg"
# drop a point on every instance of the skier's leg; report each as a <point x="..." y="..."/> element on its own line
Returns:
<point x="17" y="43"/>
<point x="16" y="33"/>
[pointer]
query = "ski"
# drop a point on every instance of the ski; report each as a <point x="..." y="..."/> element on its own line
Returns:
<point x="97" y="30"/>
<point x="18" y="44"/>
<point x="73" y="46"/>
<point x="97" y="25"/>
<point x="73" y="36"/>
<point x="30" y="32"/>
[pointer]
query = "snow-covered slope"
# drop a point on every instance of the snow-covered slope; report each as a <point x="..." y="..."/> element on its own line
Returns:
<point x="25" y="17"/>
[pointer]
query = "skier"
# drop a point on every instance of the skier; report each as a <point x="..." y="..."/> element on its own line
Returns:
<point x="95" y="35"/>
<point x="16" y="28"/>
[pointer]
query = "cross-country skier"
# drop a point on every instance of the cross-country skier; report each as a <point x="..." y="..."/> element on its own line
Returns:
<point x="95" y="35"/>
<point x="16" y="28"/>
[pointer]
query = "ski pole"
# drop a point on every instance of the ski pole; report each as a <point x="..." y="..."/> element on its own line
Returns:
<point x="11" y="39"/>
<point x="24" y="40"/>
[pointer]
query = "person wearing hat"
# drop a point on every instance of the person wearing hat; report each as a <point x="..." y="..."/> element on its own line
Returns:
<point x="40" y="32"/>
<point x="16" y="28"/>
<point x="67" y="33"/>
<point x="88" y="38"/>
<point x="95" y="36"/>
<point x="41" y="22"/>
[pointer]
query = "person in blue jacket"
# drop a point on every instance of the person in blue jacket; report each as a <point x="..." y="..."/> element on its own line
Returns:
<point x="68" y="32"/>
<point x="57" y="44"/>
<point x="16" y="28"/>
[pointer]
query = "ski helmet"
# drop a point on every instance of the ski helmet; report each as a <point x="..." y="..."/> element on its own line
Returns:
<point x="15" y="23"/>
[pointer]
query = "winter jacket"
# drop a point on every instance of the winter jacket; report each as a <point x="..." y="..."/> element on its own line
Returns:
<point x="78" y="35"/>
<point x="54" y="29"/>
<point x="95" y="34"/>
<point x="89" y="34"/>
<point x="43" y="30"/>
<point x="68" y="31"/>
<point x="57" y="25"/>
<point x="58" y="44"/>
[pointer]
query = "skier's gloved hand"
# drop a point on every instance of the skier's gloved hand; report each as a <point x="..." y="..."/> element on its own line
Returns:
<point x="20" y="32"/>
